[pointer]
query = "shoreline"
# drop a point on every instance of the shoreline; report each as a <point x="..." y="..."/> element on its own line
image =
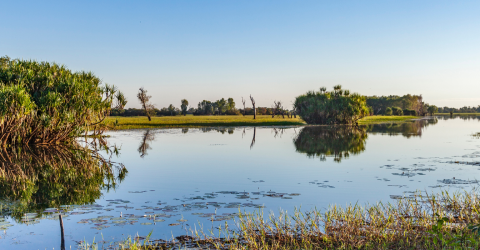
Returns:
<point x="189" y="121"/>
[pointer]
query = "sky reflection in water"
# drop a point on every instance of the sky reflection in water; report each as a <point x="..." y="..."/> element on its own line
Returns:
<point x="178" y="178"/>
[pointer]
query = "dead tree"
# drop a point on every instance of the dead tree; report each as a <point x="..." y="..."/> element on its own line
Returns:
<point x="243" y="101"/>
<point x="253" y="104"/>
<point x="278" y="108"/>
<point x="145" y="101"/>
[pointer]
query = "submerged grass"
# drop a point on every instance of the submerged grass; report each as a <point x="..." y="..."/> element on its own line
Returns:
<point x="190" y="121"/>
<point x="441" y="221"/>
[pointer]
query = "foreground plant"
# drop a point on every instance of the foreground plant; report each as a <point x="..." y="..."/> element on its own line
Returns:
<point x="421" y="221"/>
<point x="46" y="103"/>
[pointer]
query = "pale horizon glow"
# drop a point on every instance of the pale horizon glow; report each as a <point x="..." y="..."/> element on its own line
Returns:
<point x="273" y="50"/>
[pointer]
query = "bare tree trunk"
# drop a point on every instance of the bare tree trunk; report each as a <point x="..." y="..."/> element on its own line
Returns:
<point x="253" y="104"/>
<point x="243" y="101"/>
<point x="62" y="244"/>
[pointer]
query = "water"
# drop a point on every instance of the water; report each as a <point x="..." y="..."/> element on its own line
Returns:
<point x="188" y="178"/>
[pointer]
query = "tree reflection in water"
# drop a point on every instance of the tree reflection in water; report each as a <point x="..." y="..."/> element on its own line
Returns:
<point x="333" y="142"/>
<point x="341" y="142"/>
<point x="148" y="136"/>
<point x="409" y="129"/>
<point x="32" y="179"/>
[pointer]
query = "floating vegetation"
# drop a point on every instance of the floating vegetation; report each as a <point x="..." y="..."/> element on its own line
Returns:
<point x="458" y="181"/>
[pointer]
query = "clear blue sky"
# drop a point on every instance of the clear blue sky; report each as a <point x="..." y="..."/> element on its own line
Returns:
<point x="274" y="50"/>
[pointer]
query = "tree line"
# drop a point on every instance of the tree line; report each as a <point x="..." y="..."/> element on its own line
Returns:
<point x="465" y="109"/>
<point x="219" y="107"/>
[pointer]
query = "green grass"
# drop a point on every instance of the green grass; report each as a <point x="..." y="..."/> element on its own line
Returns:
<point x="201" y="121"/>
<point x="385" y="119"/>
<point x="189" y="121"/>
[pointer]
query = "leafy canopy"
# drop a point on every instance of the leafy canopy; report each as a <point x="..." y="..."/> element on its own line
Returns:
<point x="335" y="107"/>
<point x="45" y="103"/>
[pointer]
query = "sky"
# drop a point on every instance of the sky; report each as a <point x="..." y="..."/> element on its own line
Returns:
<point x="272" y="50"/>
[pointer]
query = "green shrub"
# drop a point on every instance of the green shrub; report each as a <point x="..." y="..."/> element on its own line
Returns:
<point x="335" y="107"/>
<point x="388" y="111"/>
<point x="44" y="103"/>
<point x="410" y="112"/>
<point x="397" y="111"/>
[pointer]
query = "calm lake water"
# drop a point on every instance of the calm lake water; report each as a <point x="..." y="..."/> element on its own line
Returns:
<point x="182" y="178"/>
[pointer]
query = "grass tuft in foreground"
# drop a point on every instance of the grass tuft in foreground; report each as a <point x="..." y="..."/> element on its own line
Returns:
<point x="442" y="221"/>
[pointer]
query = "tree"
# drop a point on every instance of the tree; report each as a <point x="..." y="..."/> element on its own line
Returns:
<point x="432" y="109"/>
<point x="278" y="109"/>
<point x="335" y="107"/>
<point x="184" y="106"/>
<point x="230" y="104"/>
<point x="243" y="101"/>
<point x="221" y="105"/>
<point x="120" y="101"/>
<point x="171" y="108"/>
<point x="144" y="99"/>
<point x="253" y="104"/>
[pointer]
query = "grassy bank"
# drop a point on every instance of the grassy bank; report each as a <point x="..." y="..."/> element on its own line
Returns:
<point x="189" y="121"/>
<point x="441" y="221"/>
<point x="376" y="119"/>
<point x="201" y="121"/>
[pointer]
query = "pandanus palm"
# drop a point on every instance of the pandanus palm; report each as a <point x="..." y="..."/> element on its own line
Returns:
<point x="44" y="103"/>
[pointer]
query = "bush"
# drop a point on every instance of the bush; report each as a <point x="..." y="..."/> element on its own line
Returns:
<point x="335" y="107"/>
<point x="43" y="103"/>
<point x="397" y="111"/>
<point x="410" y="112"/>
<point x="233" y="112"/>
<point x="388" y="111"/>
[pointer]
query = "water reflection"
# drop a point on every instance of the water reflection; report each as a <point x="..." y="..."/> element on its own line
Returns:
<point x="34" y="179"/>
<point x="341" y="142"/>
<point x="461" y="117"/>
<point x="410" y="129"/>
<point x="325" y="142"/>
<point x="148" y="136"/>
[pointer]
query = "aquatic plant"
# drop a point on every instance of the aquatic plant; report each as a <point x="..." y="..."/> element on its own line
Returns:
<point x="419" y="221"/>
<point x="46" y="103"/>
<point x="335" y="107"/>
